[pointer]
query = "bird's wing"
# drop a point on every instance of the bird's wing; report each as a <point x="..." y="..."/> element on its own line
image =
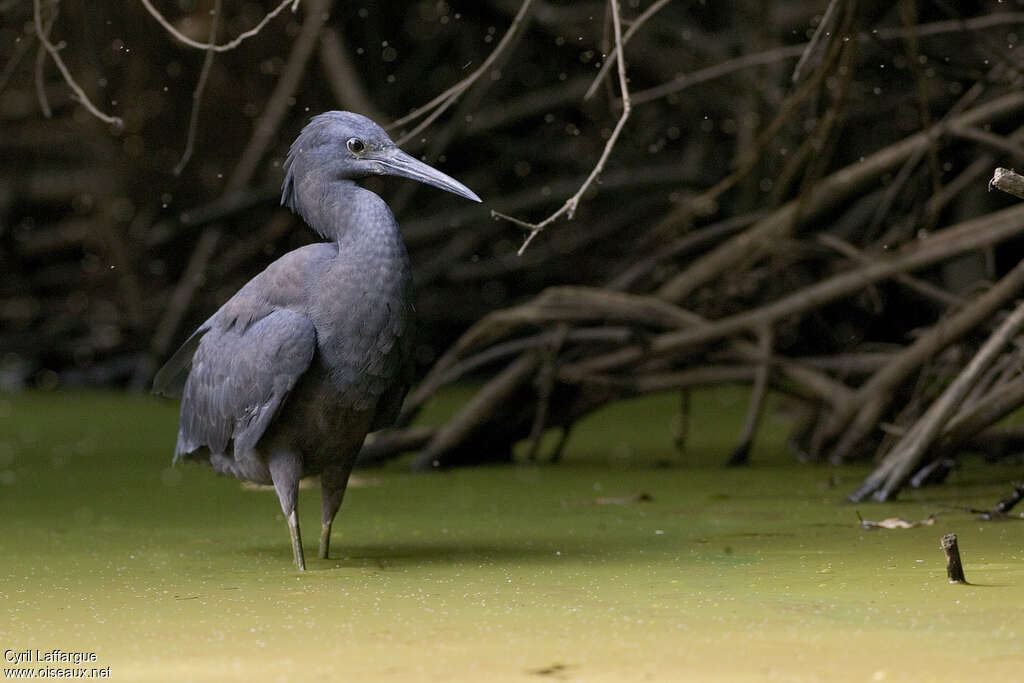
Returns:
<point x="389" y="406"/>
<point x="170" y="379"/>
<point x="240" y="377"/>
<point x="390" y="403"/>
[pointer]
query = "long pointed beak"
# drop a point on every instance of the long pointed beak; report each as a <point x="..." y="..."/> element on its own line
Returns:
<point x="396" y="162"/>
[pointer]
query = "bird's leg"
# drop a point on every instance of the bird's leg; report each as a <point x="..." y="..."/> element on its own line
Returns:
<point x="333" y="482"/>
<point x="293" y="530"/>
<point x="285" y="472"/>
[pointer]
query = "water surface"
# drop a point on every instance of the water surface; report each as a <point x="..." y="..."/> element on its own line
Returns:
<point x="628" y="561"/>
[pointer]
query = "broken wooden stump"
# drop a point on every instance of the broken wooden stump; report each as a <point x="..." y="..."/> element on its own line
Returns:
<point x="954" y="568"/>
<point x="1007" y="181"/>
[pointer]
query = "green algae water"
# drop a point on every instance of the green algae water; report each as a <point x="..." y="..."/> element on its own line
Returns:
<point x="627" y="561"/>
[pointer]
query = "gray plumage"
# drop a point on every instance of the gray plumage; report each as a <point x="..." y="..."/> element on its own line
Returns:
<point x="287" y="377"/>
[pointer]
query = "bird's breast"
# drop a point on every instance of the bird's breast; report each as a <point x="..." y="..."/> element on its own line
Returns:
<point x="361" y="314"/>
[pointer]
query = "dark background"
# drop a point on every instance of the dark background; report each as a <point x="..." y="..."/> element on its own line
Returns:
<point x="109" y="258"/>
<point x="94" y="229"/>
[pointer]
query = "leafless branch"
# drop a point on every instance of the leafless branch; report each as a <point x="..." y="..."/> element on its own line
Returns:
<point x="790" y="51"/>
<point x="824" y="28"/>
<point x="898" y="465"/>
<point x="243" y="173"/>
<point x="437" y="106"/>
<point x="230" y="45"/>
<point x="197" y="94"/>
<point x="79" y="94"/>
<point x="997" y="143"/>
<point x="569" y="208"/>
<point x="277" y="105"/>
<point x="633" y="28"/>
<point x="40" y="77"/>
<point x="20" y="50"/>
<point x="936" y="28"/>
<point x="343" y="75"/>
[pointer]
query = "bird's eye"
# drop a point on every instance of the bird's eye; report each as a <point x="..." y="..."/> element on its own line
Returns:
<point x="355" y="145"/>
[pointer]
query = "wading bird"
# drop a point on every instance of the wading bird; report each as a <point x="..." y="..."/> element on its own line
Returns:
<point x="287" y="377"/>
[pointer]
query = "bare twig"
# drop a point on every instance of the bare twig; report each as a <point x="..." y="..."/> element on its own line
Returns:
<point x="900" y="462"/>
<point x="243" y="173"/>
<point x="545" y="386"/>
<point x="343" y="76"/>
<point x="380" y="447"/>
<point x="633" y="28"/>
<point x="437" y="106"/>
<point x="20" y="50"/>
<point x="450" y="369"/>
<point x="649" y="383"/>
<point x="197" y="94"/>
<point x="875" y="395"/>
<point x="40" y="77"/>
<point x="277" y="106"/>
<point x="998" y="143"/>
<point x="710" y="73"/>
<point x="969" y="235"/>
<point x="475" y="413"/>
<point x="935" y="28"/>
<point x="230" y="45"/>
<point x="964" y="179"/>
<point x="994" y="406"/>
<point x="1006" y="504"/>
<point x="569" y="208"/>
<point x="922" y="287"/>
<point x="767" y="232"/>
<point x="909" y="17"/>
<point x="741" y="454"/>
<point x="78" y="93"/>
<point x="824" y="28"/>
<point x="190" y="280"/>
<point x="708" y="234"/>
<point x="784" y="52"/>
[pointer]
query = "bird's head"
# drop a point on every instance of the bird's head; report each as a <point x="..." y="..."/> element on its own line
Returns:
<point x="347" y="146"/>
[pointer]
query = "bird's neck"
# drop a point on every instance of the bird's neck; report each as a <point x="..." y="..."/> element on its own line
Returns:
<point x="341" y="211"/>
